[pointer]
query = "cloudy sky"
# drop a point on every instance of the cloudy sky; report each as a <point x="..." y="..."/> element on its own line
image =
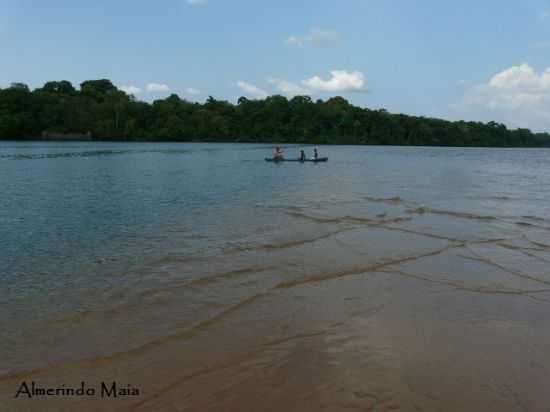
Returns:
<point x="475" y="60"/>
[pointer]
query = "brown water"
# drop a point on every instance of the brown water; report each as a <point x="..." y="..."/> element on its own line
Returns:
<point x="357" y="302"/>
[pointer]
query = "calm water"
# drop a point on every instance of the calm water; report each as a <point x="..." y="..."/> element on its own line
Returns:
<point x="112" y="250"/>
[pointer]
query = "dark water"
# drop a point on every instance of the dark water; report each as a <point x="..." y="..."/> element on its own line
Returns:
<point x="111" y="253"/>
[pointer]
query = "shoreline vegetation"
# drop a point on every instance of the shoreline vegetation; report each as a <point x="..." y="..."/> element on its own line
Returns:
<point x="98" y="111"/>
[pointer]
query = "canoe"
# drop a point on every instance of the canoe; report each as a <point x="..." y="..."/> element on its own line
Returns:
<point x="321" y="159"/>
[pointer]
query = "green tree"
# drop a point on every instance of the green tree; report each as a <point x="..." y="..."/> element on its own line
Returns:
<point x="108" y="113"/>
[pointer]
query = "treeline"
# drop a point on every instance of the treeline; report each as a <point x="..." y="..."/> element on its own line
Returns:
<point x="99" y="109"/>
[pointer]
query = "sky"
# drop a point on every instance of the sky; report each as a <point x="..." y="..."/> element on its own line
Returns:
<point x="472" y="60"/>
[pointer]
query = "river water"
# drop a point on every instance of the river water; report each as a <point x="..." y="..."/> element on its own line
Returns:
<point x="389" y="278"/>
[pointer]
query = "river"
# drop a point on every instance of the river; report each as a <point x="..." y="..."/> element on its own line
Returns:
<point x="388" y="278"/>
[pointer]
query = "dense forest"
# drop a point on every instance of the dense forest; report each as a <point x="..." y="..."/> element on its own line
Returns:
<point x="102" y="112"/>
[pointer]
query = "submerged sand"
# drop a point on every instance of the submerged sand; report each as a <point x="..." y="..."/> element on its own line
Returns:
<point x="384" y="306"/>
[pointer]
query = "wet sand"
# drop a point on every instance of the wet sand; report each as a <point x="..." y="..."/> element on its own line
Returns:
<point x="384" y="306"/>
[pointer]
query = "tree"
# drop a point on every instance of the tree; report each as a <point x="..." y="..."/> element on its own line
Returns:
<point x="61" y="87"/>
<point x="97" y="89"/>
<point x="108" y="113"/>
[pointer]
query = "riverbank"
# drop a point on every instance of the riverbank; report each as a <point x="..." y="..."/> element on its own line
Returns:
<point x="420" y="309"/>
<point x="103" y="111"/>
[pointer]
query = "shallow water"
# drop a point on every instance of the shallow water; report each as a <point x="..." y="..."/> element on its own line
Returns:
<point x="389" y="278"/>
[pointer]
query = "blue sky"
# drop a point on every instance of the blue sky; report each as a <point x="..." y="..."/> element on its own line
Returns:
<point x="430" y="57"/>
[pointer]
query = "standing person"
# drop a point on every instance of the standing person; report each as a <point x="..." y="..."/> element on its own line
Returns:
<point x="278" y="154"/>
<point x="315" y="154"/>
<point x="302" y="156"/>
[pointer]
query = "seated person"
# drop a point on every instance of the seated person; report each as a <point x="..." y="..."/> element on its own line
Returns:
<point x="278" y="154"/>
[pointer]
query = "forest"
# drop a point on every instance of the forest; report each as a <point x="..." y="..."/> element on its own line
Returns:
<point x="99" y="110"/>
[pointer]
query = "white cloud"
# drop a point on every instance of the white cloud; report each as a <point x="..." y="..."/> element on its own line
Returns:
<point x="131" y="90"/>
<point x="315" y="37"/>
<point x="518" y="96"/>
<point x="340" y="81"/>
<point x="195" y="2"/>
<point x="288" y="88"/>
<point x="157" y="88"/>
<point x="516" y="87"/>
<point x="252" y="90"/>
<point x="192" y="91"/>
<point x="294" y="41"/>
<point x="521" y="77"/>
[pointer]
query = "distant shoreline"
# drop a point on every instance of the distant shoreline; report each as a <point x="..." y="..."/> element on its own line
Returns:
<point x="98" y="110"/>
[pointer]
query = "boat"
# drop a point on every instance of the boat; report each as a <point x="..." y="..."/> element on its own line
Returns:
<point x="319" y="160"/>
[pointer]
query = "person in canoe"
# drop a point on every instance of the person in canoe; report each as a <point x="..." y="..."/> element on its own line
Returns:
<point x="278" y="154"/>
<point x="302" y="156"/>
<point x="315" y="154"/>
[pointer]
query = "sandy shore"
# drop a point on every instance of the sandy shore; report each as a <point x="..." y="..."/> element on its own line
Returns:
<point x="398" y="308"/>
